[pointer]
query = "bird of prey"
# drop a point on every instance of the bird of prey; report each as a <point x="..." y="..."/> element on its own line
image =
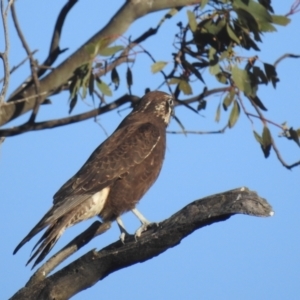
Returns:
<point x="114" y="178"/>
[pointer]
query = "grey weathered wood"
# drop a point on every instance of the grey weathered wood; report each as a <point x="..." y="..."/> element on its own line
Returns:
<point x="96" y="265"/>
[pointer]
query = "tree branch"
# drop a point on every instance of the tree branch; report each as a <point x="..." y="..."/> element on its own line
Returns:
<point x="222" y="130"/>
<point x="68" y="120"/>
<point x="119" y="23"/>
<point x="97" y="111"/>
<point x="284" y="56"/>
<point x="96" y="265"/>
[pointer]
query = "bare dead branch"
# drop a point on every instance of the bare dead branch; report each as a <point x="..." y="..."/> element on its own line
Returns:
<point x="96" y="265"/>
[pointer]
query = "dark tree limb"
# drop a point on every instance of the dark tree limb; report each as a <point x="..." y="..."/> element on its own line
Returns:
<point x="96" y="265"/>
<point x="68" y="120"/>
<point x="95" y="112"/>
<point x="287" y="55"/>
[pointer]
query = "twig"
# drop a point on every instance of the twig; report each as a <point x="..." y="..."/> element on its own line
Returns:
<point x="33" y="65"/>
<point x="4" y="55"/>
<point x="199" y="132"/>
<point x="274" y="146"/>
<point x="123" y="57"/>
<point x="14" y="68"/>
<point x="55" y="50"/>
<point x="278" y="154"/>
<point x="244" y="108"/>
<point x="206" y="93"/>
<point x="294" y="8"/>
<point x="285" y="56"/>
<point x="265" y="120"/>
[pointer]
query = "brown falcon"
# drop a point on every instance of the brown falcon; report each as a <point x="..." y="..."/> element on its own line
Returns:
<point x="114" y="178"/>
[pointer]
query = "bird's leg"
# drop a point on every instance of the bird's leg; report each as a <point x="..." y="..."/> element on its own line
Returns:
<point x="144" y="221"/>
<point x="122" y="229"/>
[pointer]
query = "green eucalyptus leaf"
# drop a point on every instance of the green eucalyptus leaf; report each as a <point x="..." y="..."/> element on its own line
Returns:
<point x="266" y="137"/>
<point x="174" y="81"/>
<point x="218" y="113"/>
<point x="232" y="34"/>
<point x="158" y="66"/>
<point x="185" y="87"/>
<point x="234" y="114"/>
<point x="104" y="88"/>
<point x="294" y="136"/>
<point x="280" y="20"/>
<point x="228" y="99"/>
<point x="266" y="141"/>
<point x="258" y="137"/>
<point x="92" y="49"/>
<point x="192" y="20"/>
<point x="243" y="81"/>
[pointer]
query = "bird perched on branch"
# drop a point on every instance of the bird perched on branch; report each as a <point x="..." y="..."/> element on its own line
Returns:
<point x="114" y="178"/>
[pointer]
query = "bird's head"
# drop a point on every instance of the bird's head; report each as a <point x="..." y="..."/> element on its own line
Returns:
<point x="157" y="103"/>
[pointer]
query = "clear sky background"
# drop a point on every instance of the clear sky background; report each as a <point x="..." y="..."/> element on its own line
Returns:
<point x="242" y="258"/>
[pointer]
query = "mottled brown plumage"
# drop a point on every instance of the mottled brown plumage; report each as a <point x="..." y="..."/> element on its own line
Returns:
<point x="114" y="178"/>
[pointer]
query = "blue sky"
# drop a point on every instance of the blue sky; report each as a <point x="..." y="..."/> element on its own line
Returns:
<point x="244" y="257"/>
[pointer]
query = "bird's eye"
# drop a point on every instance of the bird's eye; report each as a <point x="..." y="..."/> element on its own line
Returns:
<point x="171" y="102"/>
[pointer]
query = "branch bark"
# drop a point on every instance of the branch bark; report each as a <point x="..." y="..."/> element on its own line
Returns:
<point x="29" y="126"/>
<point x="96" y="265"/>
<point x="116" y="27"/>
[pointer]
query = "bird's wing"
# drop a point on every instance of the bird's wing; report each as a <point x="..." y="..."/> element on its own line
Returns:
<point x="127" y="147"/>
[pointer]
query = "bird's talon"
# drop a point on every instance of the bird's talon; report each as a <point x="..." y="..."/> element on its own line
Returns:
<point x="122" y="237"/>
